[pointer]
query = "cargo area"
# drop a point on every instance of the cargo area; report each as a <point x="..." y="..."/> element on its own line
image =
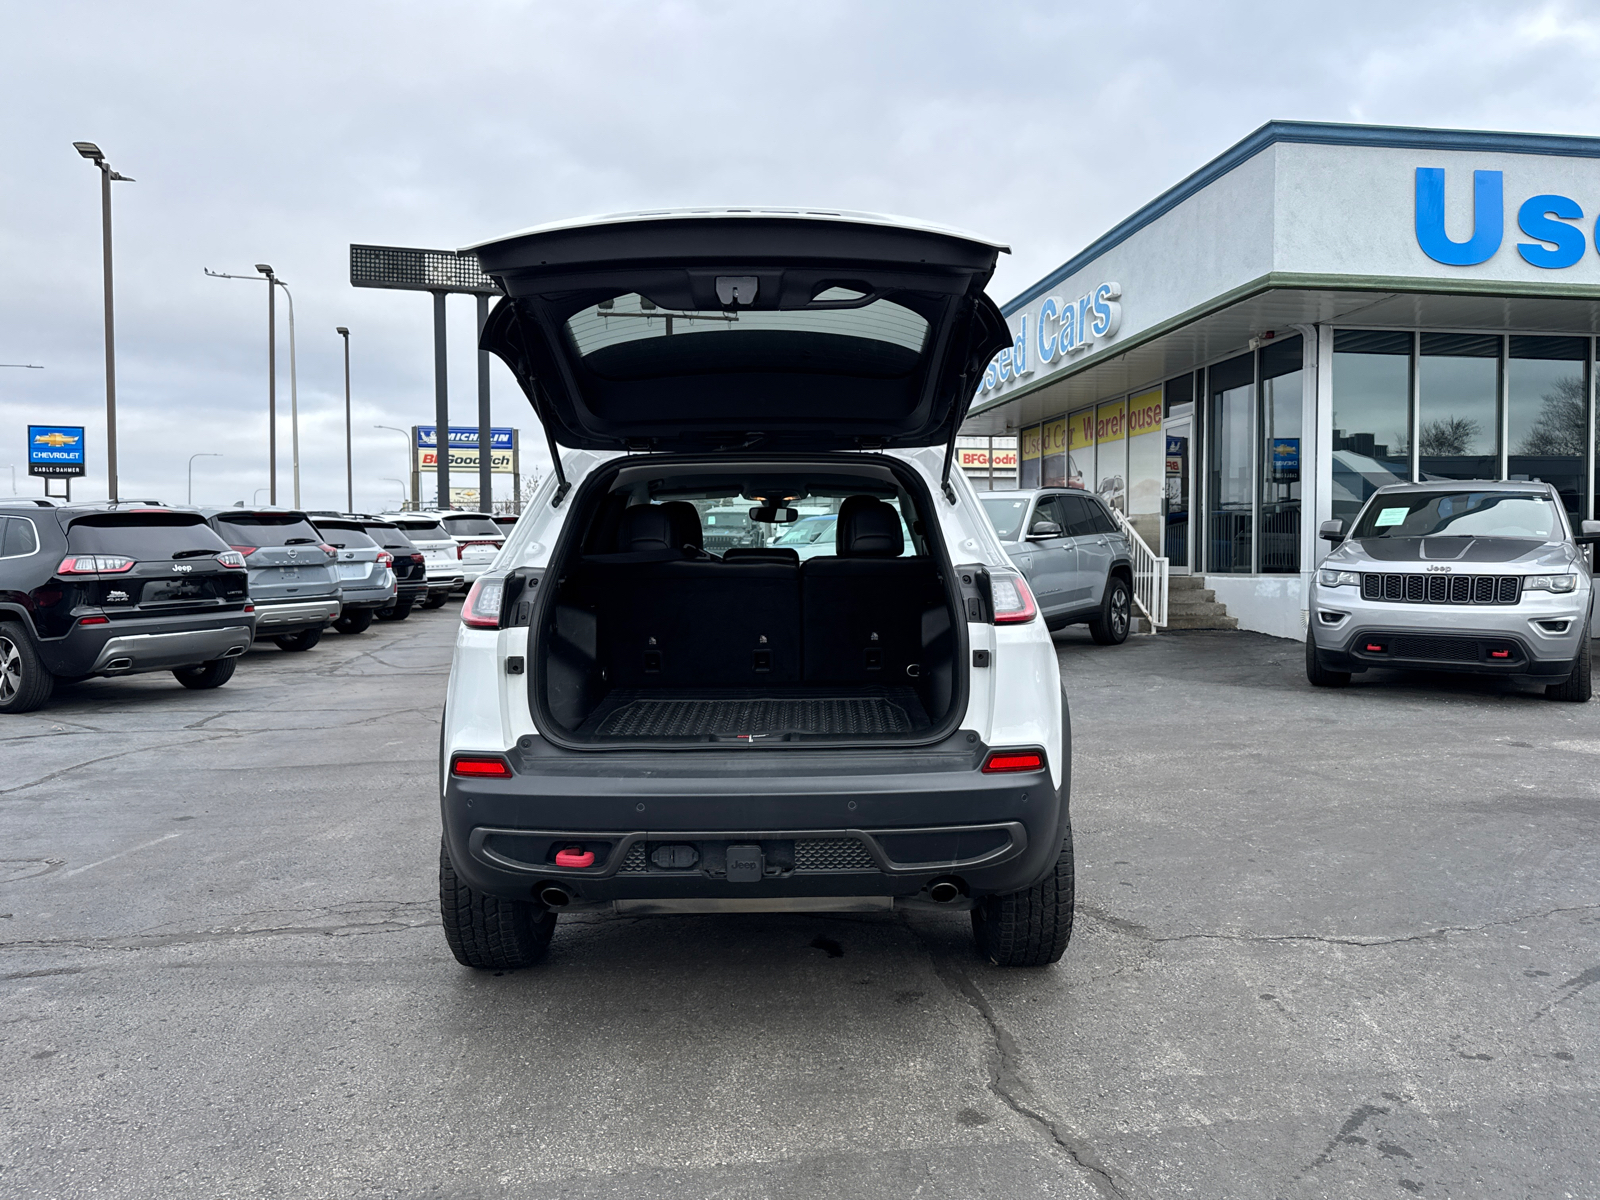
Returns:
<point x="825" y="617"/>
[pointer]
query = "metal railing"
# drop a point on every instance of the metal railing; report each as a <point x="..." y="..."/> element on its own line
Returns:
<point x="1149" y="574"/>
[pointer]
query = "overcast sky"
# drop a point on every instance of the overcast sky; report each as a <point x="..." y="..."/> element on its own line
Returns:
<point x="283" y="132"/>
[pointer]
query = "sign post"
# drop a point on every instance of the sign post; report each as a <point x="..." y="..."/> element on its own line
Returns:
<point x="56" y="451"/>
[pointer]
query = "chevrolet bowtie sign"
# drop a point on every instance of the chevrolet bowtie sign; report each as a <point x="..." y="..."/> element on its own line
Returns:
<point x="55" y="450"/>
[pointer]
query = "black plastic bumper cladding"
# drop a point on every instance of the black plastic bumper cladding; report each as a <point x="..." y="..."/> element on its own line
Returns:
<point x="895" y="830"/>
<point x="1468" y="653"/>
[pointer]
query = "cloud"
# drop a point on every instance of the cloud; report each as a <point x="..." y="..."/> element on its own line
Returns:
<point x="282" y="133"/>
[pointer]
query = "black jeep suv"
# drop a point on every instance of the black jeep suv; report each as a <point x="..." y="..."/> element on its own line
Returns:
<point x="115" y="589"/>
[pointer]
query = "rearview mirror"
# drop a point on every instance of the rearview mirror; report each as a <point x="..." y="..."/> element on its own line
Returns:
<point x="774" y="516"/>
<point x="1331" y="531"/>
<point x="1044" y="529"/>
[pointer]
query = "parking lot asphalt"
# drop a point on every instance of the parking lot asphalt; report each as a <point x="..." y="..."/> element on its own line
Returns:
<point x="1339" y="943"/>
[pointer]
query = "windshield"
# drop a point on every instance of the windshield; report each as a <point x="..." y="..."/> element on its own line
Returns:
<point x="472" y="527"/>
<point x="344" y="538"/>
<point x="144" y="536"/>
<point x="267" y="529"/>
<point x="1459" y="514"/>
<point x="1007" y="516"/>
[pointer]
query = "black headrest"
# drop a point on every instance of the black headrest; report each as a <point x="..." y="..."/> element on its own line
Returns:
<point x="766" y="554"/>
<point x="868" y="528"/>
<point x="685" y="520"/>
<point x="646" y="527"/>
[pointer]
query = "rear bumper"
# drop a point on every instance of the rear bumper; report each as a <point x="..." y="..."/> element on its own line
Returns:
<point x="880" y="831"/>
<point x="367" y="597"/>
<point x="129" y="647"/>
<point x="294" y="616"/>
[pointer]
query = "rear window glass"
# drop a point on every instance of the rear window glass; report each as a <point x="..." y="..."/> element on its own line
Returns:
<point x="629" y="334"/>
<point x="1007" y="516"/>
<point x="267" y="529"/>
<point x="427" y="533"/>
<point x="143" y="536"/>
<point x="389" y="537"/>
<point x="1458" y="514"/>
<point x="346" y="539"/>
<point x="472" y="527"/>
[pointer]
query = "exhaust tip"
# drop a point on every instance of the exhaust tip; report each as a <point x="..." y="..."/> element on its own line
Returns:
<point x="554" y="897"/>
<point x="118" y="664"/>
<point x="945" y="891"/>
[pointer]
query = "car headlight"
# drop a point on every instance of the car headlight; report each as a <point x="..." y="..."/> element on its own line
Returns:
<point x="1329" y="577"/>
<point x="1550" y="583"/>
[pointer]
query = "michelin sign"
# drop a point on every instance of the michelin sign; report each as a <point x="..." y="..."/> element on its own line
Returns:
<point x="1054" y="331"/>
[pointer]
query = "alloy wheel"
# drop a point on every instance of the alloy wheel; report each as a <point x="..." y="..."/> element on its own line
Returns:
<point x="1119" y="612"/>
<point x="10" y="669"/>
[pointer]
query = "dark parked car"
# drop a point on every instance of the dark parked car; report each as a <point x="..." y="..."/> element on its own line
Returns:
<point x="409" y="566"/>
<point x="292" y="578"/>
<point x="106" y="589"/>
<point x="366" y="575"/>
<point x="1076" y="557"/>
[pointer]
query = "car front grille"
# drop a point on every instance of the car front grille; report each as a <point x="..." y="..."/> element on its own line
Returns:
<point x="1442" y="589"/>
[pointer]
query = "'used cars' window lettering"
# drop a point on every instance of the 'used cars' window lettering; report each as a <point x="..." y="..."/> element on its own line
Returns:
<point x="1459" y="514"/>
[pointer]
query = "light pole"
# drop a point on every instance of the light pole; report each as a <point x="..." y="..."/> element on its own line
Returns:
<point x="410" y="450"/>
<point x="107" y="177"/>
<point x="13" y="479"/>
<point x="253" y="500"/>
<point x="349" y="471"/>
<point x="272" y="369"/>
<point x="294" y="395"/>
<point x="402" y="483"/>
<point x="192" y="457"/>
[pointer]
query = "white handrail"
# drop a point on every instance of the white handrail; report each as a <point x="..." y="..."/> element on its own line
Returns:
<point x="1149" y="574"/>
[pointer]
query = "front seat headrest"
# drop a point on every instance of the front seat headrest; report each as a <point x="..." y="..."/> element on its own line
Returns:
<point x="685" y="518"/>
<point x="868" y="528"/>
<point x="645" y="527"/>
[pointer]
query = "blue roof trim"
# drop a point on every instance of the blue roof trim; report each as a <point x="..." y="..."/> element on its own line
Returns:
<point x="1315" y="133"/>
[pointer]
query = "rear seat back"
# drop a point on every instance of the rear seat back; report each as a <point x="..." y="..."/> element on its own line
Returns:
<point x="862" y="610"/>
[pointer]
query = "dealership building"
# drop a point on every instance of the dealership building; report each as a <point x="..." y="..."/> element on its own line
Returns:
<point x="1321" y="310"/>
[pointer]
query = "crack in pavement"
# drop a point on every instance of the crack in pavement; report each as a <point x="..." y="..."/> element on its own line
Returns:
<point x="1008" y="1085"/>
<point x="1133" y="929"/>
<point x="22" y="787"/>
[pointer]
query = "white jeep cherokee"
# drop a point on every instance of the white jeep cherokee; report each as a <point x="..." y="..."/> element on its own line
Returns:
<point x="634" y="722"/>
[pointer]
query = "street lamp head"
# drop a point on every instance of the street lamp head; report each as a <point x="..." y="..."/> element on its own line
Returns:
<point x="265" y="269"/>
<point x="89" y="150"/>
<point x="341" y="331"/>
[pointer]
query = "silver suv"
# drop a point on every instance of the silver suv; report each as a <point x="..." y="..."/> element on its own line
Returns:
<point x="1486" y="578"/>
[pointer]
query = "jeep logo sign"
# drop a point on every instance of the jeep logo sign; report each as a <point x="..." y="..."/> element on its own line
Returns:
<point x="1544" y="218"/>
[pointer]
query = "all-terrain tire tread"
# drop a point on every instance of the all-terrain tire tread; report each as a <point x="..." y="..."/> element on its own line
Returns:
<point x="486" y="932"/>
<point x="1030" y="928"/>
<point x="37" y="682"/>
<point x="1318" y="675"/>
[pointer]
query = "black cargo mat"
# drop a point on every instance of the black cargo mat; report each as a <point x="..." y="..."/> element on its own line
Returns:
<point x="744" y="713"/>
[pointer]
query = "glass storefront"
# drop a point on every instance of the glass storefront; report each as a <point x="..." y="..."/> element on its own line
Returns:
<point x="1231" y="480"/>
<point x="1371" y="415"/>
<point x="1547" y="399"/>
<point x="1458" y="386"/>
<point x="1282" y="400"/>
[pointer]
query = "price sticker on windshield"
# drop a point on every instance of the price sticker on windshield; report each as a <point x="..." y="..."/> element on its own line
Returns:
<point x="1392" y="516"/>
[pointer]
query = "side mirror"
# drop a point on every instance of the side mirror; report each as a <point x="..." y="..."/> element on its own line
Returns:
<point x="1044" y="529"/>
<point x="1588" y="533"/>
<point x="774" y="516"/>
<point x="1331" y="531"/>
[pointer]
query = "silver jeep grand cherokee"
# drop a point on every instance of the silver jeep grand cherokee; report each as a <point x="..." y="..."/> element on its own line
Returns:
<point x="1486" y="578"/>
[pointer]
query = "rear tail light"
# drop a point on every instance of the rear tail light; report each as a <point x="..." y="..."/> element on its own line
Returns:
<point x="94" y="564"/>
<point x="329" y="550"/>
<point x="94" y="620"/>
<point x="1001" y="761"/>
<point x="249" y="608"/>
<point x="246" y="550"/>
<point x="480" y="766"/>
<point x="385" y="559"/>
<point x="417" y="558"/>
<point x="482" y="609"/>
<point x="231" y="558"/>
<point x="1013" y="601"/>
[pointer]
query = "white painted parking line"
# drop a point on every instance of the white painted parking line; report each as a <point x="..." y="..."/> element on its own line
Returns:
<point x="121" y="854"/>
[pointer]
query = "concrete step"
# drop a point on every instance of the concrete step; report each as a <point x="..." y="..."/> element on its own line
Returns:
<point x="1187" y="621"/>
<point x="1185" y="583"/>
<point x="1192" y="605"/>
<point x="1193" y="596"/>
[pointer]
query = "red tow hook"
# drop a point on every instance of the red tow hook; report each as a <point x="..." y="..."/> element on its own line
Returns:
<point x="574" y="856"/>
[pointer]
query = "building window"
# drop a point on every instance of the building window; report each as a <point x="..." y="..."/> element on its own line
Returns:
<point x="1232" y="476"/>
<point x="1458" y="422"/>
<point x="1282" y="398"/>
<point x="1547" y="399"/>
<point x="1028" y="458"/>
<point x="1371" y="415"/>
<point x="1053" y="453"/>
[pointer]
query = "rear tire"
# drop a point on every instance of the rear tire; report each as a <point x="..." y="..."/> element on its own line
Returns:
<point x="1319" y="675"/>
<point x="486" y="932"/>
<point x="25" y="683"/>
<point x="299" y="641"/>
<point x="436" y="601"/>
<point x="206" y="675"/>
<point x="1111" y="627"/>
<point x="1576" y="689"/>
<point x="1029" y="928"/>
<point x="397" y="611"/>
<point x="355" y="621"/>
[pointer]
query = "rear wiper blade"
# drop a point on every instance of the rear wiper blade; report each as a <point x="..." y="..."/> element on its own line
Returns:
<point x="193" y="553"/>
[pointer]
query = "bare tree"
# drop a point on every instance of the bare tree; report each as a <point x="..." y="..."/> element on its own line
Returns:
<point x="1562" y="422"/>
<point x="1449" y="436"/>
